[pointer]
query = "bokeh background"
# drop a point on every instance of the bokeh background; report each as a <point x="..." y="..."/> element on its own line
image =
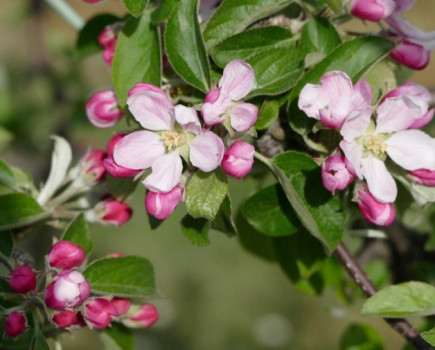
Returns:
<point x="219" y="297"/>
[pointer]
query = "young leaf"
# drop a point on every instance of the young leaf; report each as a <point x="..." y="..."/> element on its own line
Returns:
<point x="6" y="243"/>
<point x="335" y="5"/>
<point x="223" y="221"/>
<point x="267" y="115"/>
<point x="87" y="41"/>
<point x="354" y="57"/>
<point x="130" y="276"/>
<point x="358" y="336"/>
<point x="117" y="337"/>
<point x="135" y="7"/>
<point x="185" y="47"/>
<point x="429" y="336"/>
<point x="19" y="209"/>
<point x="270" y="212"/>
<point x="137" y="56"/>
<point x="6" y="175"/>
<point x="405" y="299"/>
<point x="233" y="16"/>
<point x="163" y="11"/>
<point x="78" y="232"/>
<point x="205" y="193"/>
<point x="319" y="35"/>
<point x="39" y="342"/>
<point x="196" y="230"/>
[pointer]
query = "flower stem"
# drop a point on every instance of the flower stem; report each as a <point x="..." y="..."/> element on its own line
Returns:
<point x="355" y="271"/>
<point x="67" y="13"/>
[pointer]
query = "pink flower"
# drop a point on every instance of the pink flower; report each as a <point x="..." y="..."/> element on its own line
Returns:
<point x="65" y="255"/>
<point x="22" y="279"/>
<point x="336" y="174"/>
<point x="68" y="289"/>
<point x="68" y="318"/>
<point x="335" y="99"/>
<point x="238" y="159"/>
<point x="376" y="10"/>
<point x="161" y="205"/>
<point x="108" y="38"/>
<point x="144" y="318"/>
<point x="99" y="312"/>
<point x="15" y="324"/>
<point x="121" y="306"/>
<point x="375" y="212"/>
<point x="411" y="55"/>
<point x="423" y="176"/>
<point x="102" y="109"/>
<point x="109" y="163"/>
<point x="94" y="165"/>
<point x="173" y="134"/>
<point x="113" y="212"/>
<point x="237" y="81"/>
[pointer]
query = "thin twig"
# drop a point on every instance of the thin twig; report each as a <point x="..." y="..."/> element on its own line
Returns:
<point x="67" y="13"/>
<point x="355" y="271"/>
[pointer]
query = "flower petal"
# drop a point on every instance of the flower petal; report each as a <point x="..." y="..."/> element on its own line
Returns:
<point x="362" y="95"/>
<point x="206" y="151"/>
<point x="145" y="87"/>
<point x="152" y="110"/>
<point x="237" y="80"/>
<point x="243" y="116"/>
<point x="379" y="181"/>
<point x="412" y="55"/>
<point x="356" y="124"/>
<point x="412" y="150"/>
<point x="353" y="154"/>
<point x="424" y="120"/>
<point x="372" y="10"/>
<point x="187" y="118"/>
<point x="412" y="33"/>
<point x="312" y="100"/>
<point x="166" y="173"/>
<point x="138" y="150"/>
<point x="213" y="113"/>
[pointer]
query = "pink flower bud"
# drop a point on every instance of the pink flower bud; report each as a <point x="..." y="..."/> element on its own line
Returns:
<point x="108" y="54"/>
<point x="65" y="255"/>
<point x="108" y="37"/>
<point x="102" y="109"/>
<point x="372" y="10"/>
<point x="22" y="279"/>
<point x="68" y="289"/>
<point x="94" y="165"/>
<point x="212" y="95"/>
<point x="161" y="205"/>
<point x="411" y="55"/>
<point x="68" y="318"/>
<point x="336" y="174"/>
<point x="423" y="176"/>
<point x="114" y="212"/>
<point x="92" y="1"/>
<point x="375" y="212"/>
<point x="145" y="317"/>
<point x="99" y="312"/>
<point x="238" y="159"/>
<point x="109" y="163"/>
<point x="121" y="306"/>
<point x="15" y="324"/>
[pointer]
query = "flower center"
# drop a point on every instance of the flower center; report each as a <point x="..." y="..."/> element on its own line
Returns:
<point x="173" y="139"/>
<point x="375" y="144"/>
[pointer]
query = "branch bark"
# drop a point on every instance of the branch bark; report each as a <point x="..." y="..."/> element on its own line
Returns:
<point x="355" y="271"/>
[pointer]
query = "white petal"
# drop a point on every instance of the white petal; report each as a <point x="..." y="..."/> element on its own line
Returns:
<point x="356" y="124"/>
<point x="412" y="150"/>
<point x="412" y="33"/>
<point x="166" y="173"/>
<point x="380" y="182"/>
<point x="206" y="151"/>
<point x="187" y="118"/>
<point x="353" y="154"/>
<point x="243" y="116"/>
<point x="237" y="80"/>
<point x="312" y="100"/>
<point x="138" y="150"/>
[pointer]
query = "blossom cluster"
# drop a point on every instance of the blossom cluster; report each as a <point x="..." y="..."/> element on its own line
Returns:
<point x="371" y="135"/>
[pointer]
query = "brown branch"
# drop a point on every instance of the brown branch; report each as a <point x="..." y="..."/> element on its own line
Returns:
<point x="355" y="271"/>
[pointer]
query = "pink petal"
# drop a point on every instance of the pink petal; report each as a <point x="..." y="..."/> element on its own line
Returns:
<point x="412" y="33"/>
<point x="152" y="110"/>
<point x="337" y="84"/>
<point x="138" y="150"/>
<point x="397" y="113"/>
<point x="403" y="5"/>
<point x="214" y="113"/>
<point x="412" y="150"/>
<point x="243" y="116"/>
<point x="206" y="151"/>
<point x="166" y="173"/>
<point x="237" y="80"/>
<point x="424" y="120"/>
<point x="411" y="89"/>
<point x="372" y="10"/>
<point x="356" y="124"/>
<point x="161" y="205"/>
<point x="145" y="87"/>
<point x="362" y="95"/>
<point x="411" y="55"/>
<point x="187" y="118"/>
<point x="312" y="100"/>
<point x="379" y="181"/>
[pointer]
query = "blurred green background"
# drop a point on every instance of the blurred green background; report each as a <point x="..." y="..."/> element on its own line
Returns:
<point x="218" y="297"/>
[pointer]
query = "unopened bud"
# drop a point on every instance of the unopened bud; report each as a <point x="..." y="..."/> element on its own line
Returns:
<point x="161" y="205"/>
<point x="65" y="255"/>
<point x="121" y="306"/>
<point x="15" y="324"/>
<point x="22" y="279"/>
<point x="99" y="312"/>
<point x="68" y="319"/>
<point x="423" y="176"/>
<point x="238" y="159"/>
<point x="102" y="109"/>
<point x="145" y="317"/>
<point x="336" y="174"/>
<point x="375" y="212"/>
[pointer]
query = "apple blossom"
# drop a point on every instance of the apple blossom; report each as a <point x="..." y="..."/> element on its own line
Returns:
<point x="121" y="306"/>
<point x="65" y="255"/>
<point x="99" y="312"/>
<point x="15" y="324"/>
<point x="94" y="168"/>
<point x="161" y="205"/>
<point x="22" y="279"/>
<point x="68" y="318"/>
<point x="238" y="159"/>
<point x="145" y="317"/>
<point x="109" y="163"/>
<point x="375" y="212"/>
<point x="423" y="176"/>
<point x="336" y="173"/>
<point x="102" y="109"/>
<point x="113" y="212"/>
<point x="172" y="133"/>
<point x="237" y="81"/>
<point x="376" y="10"/>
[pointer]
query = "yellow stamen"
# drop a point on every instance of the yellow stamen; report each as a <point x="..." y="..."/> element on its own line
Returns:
<point x="173" y="139"/>
<point x="375" y="145"/>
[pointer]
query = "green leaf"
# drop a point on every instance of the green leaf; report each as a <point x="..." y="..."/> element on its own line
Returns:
<point x="121" y="188"/>
<point x="6" y="243"/>
<point x="270" y="212"/>
<point x="405" y="299"/>
<point x="233" y="16"/>
<point x="205" y="193"/>
<point x="130" y="276"/>
<point x="317" y="210"/>
<point x="117" y="337"/>
<point x="319" y="35"/>
<point x="267" y="115"/>
<point x="429" y="336"/>
<point x="196" y="230"/>
<point x="358" y="336"/>
<point x="381" y="79"/>
<point x="39" y="342"/>
<point x="19" y="209"/>
<point x="185" y="47"/>
<point x="354" y="57"/>
<point x="78" y="233"/>
<point x="7" y="175"/>
<point x="223" y="221"/>
<point x="164" y="10"/>
<point x="87" y="41"/>
<point x="335" y="5"/>
<point x="135" y="7"/>
<point x="137" y="56"/>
